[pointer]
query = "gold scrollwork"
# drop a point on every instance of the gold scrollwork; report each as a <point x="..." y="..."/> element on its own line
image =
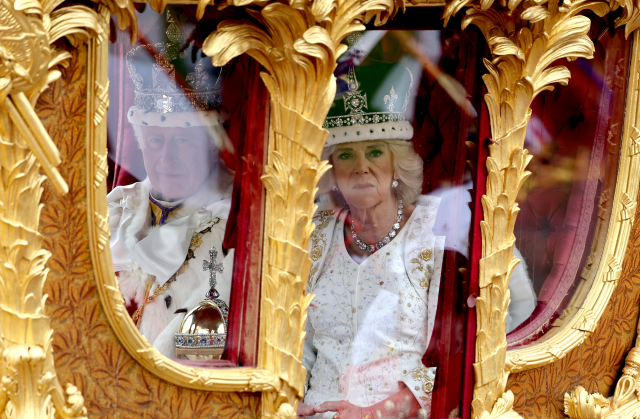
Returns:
<point x="232" y="379"/>
<point x="525" y="39"/>
<point x="29" y="387"/>
<point x="625" y="402"/>
<point x="101" y="167"/>
<point x="297" y="45"/>
<point x="592" y="298"/>
<point x="102" y="96"/>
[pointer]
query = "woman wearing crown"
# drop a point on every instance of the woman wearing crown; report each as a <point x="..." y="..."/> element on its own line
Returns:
<point x="376" y="260"/>
<point x="163" y="228"/>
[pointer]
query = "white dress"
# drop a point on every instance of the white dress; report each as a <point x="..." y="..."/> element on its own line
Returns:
<point x="370" y="324"/>
<point x="142" y="253"/>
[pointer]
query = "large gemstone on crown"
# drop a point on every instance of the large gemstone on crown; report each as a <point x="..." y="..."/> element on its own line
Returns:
<point x="165" y="104"/>
<point x="357" y="119"/>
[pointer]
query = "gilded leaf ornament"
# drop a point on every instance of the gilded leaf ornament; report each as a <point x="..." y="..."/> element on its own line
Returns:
<point x="297" y="45"/>
<point x="28" y="59"/>
<point x="525" y="38"/>
<point x="625" y="401"/>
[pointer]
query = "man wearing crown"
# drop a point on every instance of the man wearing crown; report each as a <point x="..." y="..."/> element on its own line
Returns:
<point x="163" y="228"/>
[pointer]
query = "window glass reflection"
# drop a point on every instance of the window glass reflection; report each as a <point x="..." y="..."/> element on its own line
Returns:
<point x="172" y="185"/>
<point x="565" y="205"/>
<point x="391" y="244"/>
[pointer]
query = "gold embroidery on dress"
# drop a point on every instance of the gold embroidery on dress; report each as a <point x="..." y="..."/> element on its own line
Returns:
<point x="423" y="374"/>
<point x="319" y="239"/>
<point x="313" y="271"/>
<point x="425" y="255"/>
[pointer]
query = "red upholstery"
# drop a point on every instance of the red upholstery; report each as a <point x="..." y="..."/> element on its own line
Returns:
<point x="568" y="134"/>
<point x="538" y="231"/>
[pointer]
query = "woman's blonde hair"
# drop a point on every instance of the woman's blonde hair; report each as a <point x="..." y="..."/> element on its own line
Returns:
<point x="406" y="163"/>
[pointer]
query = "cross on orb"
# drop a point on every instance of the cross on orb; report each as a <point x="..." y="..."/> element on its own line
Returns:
<point x="212" y="266"/>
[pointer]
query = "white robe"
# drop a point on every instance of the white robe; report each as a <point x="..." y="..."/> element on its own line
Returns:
<point x="372" y="322"/>
<point x="130" y="224"/>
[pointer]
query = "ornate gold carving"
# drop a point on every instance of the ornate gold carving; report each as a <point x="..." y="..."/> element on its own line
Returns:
<point x="593" y="296"/>
<point x="634" y="147"/>
<point x="101" y="168"/>
<point x="628" y="206"/>
<point x="525" y="39"/>
<point x="238" y="379"/>
<point x="102" y="97"/>
<point x="586" y="321"/>
<point x="29" y="386"/>
<point x="556" y="352"/>
<point x="297" y="45"/>
<point x="630" y="15"/>
<point x="625" y="402"/>
<point x="102" y="227"/>
<point x="580" y="404"/>
<point x="426" y="3"/>
<point x="613" y="271"/>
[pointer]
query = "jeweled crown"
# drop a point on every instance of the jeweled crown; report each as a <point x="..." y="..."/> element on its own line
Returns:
<point x="357" y="109"/>
<point x="170" y="77"/>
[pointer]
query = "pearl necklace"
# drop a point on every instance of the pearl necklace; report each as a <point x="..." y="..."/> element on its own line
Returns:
<point x="394" y="231"/>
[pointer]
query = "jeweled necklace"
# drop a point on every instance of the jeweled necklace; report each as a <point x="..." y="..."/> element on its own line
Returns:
<point x="394" y="231"/>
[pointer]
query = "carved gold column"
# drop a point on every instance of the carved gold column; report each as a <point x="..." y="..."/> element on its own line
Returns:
<point x="29" y="387"/>
<point x="525" y="38"/>
<point x="297" y="45"/>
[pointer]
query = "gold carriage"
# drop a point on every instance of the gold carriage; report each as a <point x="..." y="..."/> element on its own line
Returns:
<point x="524" y="114"/>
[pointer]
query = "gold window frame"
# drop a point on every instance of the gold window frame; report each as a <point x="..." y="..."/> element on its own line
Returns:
<point x="298" y="51"/>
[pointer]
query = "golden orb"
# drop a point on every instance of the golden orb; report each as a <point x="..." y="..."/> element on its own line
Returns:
<point x="203" y="331"/>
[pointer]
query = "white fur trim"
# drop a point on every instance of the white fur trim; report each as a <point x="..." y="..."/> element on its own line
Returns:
<point x="392" y="130"/>
<point x="175" y="119"/>
<point x="129" y="222"/>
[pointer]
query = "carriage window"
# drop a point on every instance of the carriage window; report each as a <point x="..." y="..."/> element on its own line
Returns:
<point x="574" y="136"/>
<point x="391" y="251"/>
<point x="178" y="135"/>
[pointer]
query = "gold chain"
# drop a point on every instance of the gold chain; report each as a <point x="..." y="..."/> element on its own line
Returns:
<point x="196" y="241"/>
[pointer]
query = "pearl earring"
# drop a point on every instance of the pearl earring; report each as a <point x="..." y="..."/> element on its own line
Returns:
<point x="394" y="184"/>
<point x="335" y="188"/>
